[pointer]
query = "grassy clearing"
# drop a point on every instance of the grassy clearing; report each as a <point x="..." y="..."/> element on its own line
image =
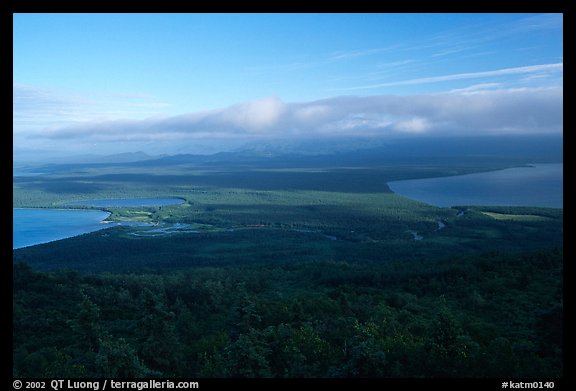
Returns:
<point x="515" y="217"/>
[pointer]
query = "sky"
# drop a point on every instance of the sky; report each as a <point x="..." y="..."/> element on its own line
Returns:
<point x="201" y="83"/>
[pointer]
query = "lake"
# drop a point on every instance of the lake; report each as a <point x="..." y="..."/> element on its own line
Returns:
<point x="132" y="202"/>
<point x="534" y="185"/>
<point x="35" y="226"/>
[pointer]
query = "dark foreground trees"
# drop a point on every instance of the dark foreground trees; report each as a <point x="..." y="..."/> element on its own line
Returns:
<point x="496" y="315"/>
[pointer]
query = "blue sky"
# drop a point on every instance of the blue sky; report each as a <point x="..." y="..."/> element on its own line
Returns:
<point x="166" y="83"/>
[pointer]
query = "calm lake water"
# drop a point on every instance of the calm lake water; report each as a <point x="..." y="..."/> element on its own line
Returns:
<point x="35" y="226"/>
<point x="134" y="202"/>
<point x="536" y="185"/>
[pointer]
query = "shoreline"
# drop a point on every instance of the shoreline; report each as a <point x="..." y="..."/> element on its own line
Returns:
<point x="431" y="191"/>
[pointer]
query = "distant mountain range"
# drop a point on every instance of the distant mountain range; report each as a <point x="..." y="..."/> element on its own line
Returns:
<point x="382" y="151"/>
<point x="342" y="151"/>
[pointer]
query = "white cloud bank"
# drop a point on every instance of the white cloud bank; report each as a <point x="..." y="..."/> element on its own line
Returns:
<point x="463" y="112"/>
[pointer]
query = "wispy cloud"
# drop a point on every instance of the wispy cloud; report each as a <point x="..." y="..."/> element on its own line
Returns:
<point x="557" y="67"/>
<point x="326" y="59"/>
<point x="539" y="22"/>
<point x="476" y="88"/>
<point x="39" y="108"/>
<point x="349" y="54"/>
<point x="450" y="51"/>
<point x="453" y="44"/>
<point x="37" y="105"/>
<point x="394" y="64"/>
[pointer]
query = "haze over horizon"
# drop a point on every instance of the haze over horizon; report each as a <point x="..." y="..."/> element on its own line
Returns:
<point x="204" y="83"/>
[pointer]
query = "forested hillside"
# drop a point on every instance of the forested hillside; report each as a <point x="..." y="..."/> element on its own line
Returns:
<point x="495" y="315"/>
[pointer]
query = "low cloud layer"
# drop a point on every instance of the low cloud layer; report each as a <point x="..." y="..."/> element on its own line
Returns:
<point x="464" y="112"/>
